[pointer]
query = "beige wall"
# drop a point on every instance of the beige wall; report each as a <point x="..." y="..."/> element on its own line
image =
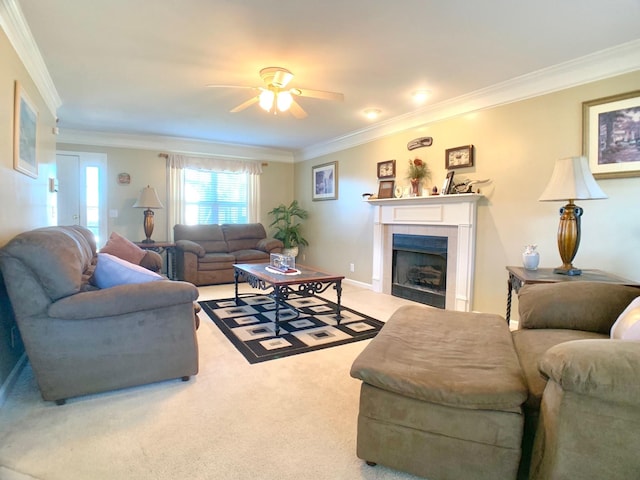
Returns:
<point x="147" y="168"/>
<point x="26" y="202"/>
<point x="516" y="147"/>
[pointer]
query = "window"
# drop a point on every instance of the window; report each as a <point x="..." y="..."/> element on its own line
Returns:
<point x="215" y="197"/>
<point x="92" y="195"/>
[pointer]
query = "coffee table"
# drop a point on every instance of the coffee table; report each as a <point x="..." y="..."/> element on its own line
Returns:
<point x="308" y="282"/>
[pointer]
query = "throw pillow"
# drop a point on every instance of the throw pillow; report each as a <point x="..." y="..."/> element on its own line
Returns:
<point x="111" y="271"/>
<point x="122" y="248"/>
<point x="627" y="326"/>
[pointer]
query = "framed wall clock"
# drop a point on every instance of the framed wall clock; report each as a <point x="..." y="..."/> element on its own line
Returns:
<point x="387" y="169"/>
<point x="459" y="157"/>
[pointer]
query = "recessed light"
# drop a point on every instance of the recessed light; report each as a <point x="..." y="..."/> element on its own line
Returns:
<point x="372" y="113"/>
<point x="420" y="96"/>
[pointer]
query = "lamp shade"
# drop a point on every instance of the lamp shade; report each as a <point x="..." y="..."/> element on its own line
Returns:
<point x="148" y="199"/>
<point x="572" y="180"/>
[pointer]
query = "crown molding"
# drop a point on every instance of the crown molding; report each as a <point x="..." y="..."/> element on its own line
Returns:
<point x="19" y="34"/>
<point x="173" y="144"/>
<point x="624" y="58"/>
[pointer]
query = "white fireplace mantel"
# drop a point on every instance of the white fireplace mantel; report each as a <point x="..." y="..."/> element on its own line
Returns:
<point x="453" y="216"/>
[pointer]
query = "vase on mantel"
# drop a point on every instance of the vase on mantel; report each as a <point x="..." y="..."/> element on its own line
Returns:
<point x="416" y="187"/>
<point x="530" y="257"/>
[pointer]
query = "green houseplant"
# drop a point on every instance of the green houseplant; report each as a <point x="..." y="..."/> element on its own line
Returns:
<point x="287" y="229"/>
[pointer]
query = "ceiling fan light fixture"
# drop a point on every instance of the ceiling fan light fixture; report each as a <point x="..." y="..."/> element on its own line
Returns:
<point x="266" y="100"/>
<point x="284" y="100"/>
<point x="372" y="113"/>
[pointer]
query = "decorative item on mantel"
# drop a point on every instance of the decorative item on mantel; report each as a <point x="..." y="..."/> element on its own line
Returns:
<point x="530" y="257"/>
<point x="418" y="172"/>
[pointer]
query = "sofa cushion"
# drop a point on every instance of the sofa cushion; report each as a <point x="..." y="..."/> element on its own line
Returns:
<point x="592" y="306"/>
<point x="62" y="258"/>
<point x="210" y="237"/>
<point x="627" y="326"/>
<point x="531" y="344"/>
<point x="250" y="256"/>
<point x="123" y="248"/>
<point x="112" y="271"/>
<point x="459" y="359"/>
<point x="243" y="236"/>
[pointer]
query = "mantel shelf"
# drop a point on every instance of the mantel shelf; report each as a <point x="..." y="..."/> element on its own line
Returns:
<point x="454" y="198"/>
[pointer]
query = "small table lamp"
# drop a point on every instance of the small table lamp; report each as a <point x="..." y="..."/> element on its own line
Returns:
<point x="148" y="199"/>
<point x="571" y="180"/>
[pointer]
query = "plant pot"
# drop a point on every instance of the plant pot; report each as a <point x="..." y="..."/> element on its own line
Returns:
<point x="291" y="252"/>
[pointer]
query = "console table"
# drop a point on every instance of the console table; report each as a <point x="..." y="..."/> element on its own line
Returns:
<point x="519" y="276"/>
<point x="168" y="248"/>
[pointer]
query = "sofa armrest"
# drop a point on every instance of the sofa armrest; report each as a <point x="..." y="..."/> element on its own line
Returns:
<point x="269" y="245"/>
<point x="189" y="246"/>
<point x="589" y="306"/>
<point x="123" y="299"/>
<point x="605" y="369"/>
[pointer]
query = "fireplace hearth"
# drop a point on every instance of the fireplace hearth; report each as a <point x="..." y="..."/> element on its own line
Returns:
<point x="419" y="268"/>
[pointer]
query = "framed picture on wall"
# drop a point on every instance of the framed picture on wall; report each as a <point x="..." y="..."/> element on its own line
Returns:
<point x="25" y="125"/>
<point x="324" y="180"/>
<point x="611" y="135"/>
<point x="459" y="157"/>
<point x="387" y="169"/>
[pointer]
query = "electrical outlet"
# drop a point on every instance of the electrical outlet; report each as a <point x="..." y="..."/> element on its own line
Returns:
<point x="352" y="267"/>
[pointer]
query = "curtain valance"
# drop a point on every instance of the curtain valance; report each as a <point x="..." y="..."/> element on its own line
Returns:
<point x="218" y="164"/>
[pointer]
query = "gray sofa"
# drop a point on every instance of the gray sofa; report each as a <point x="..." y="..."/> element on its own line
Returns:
<point x="81" y="339"/>
<point x="452" y="395"/>
<point x="205" y="254"/>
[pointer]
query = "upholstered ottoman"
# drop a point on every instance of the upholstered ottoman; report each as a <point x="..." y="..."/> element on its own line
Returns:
<point x="441" y="396"/>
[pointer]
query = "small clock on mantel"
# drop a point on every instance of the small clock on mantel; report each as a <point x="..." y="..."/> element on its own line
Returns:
<point x="387" y="169"/>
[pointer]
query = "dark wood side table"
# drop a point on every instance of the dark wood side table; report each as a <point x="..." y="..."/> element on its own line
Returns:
<point x="169" y="250"/>
<point x="519" y="276"/>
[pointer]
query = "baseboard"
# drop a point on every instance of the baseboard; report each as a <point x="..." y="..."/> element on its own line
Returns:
<point x="8" y="384"/>
<point x="368" y="286"/>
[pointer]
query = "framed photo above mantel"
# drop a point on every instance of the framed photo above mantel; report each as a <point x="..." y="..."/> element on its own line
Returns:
<point x="387" y="169"/>
<point x="458" y="157"/>
<point x="611" y="135"/>
<point x="25" y="126"/>
<point x="324" y="181"/>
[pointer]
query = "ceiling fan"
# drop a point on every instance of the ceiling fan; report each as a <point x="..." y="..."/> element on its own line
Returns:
<point x="275" y="97"/>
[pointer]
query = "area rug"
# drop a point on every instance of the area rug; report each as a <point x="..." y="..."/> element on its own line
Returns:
<point x="250" y="325"/>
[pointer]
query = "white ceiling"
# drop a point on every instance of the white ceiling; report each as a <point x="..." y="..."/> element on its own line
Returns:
<point x="141" y="66"/>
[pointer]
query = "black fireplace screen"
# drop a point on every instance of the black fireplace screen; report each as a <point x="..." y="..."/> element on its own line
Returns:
<point x="419" y="268"/>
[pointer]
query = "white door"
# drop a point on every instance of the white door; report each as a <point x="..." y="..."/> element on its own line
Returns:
<point x="82" y="192"/>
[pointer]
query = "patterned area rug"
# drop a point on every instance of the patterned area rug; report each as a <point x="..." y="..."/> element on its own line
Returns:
<point x="250" y="326"/>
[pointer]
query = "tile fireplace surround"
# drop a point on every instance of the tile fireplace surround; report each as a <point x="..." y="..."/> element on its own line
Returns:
<point x="451" y="216"/>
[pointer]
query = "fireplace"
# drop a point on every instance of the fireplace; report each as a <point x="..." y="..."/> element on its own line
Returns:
<point x="447" y="216"/>
<point x="419" y="268"/>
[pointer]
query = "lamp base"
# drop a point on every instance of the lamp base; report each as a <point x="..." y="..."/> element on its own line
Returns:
<point x="148" y="240"/>
<point x="571" y="271"/>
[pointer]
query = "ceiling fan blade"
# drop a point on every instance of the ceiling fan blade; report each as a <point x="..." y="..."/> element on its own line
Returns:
<point x="296" y="110"/>
<point x="246" y="104"/>
<point x="321" y="94"/>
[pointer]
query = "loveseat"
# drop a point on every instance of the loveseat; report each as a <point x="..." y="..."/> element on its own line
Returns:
<point x="81" y="338"/>
<point x="456" y="395"/>
<point x="205" y="254"/>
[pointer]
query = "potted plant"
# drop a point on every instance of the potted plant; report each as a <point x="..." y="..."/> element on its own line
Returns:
<point x="287" y="229"/>
<point x="418" y="172"/>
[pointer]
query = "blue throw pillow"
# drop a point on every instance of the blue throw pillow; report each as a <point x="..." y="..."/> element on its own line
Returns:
<point x="111" y="271"/>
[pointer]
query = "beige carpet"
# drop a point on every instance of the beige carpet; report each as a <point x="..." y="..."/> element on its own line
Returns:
<point x="285" y="419"/>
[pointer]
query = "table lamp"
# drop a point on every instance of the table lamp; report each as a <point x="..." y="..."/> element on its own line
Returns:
<point x="571" y="180"/>
<point x="148" y="199"/>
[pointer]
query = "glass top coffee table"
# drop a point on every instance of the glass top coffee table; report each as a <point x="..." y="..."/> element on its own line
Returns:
<point x="307" y="282"/>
